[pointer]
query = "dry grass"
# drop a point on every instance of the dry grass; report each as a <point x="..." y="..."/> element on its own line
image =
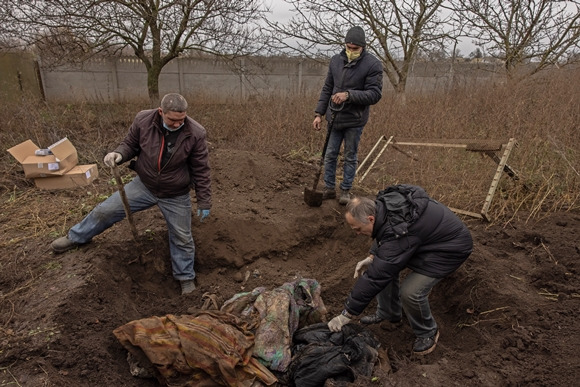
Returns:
<point x="542" y="114"/>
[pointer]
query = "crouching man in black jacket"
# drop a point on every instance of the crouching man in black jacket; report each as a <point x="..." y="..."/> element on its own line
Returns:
<point x="409" y="230"/>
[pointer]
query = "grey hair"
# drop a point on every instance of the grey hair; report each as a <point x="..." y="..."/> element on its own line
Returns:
<point x="360" y="208"/>
<point x="173" y="102"/>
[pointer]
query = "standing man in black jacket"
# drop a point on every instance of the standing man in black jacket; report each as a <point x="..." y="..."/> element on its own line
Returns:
<point x="353" y="83"/>
<point x="409" y="230"/>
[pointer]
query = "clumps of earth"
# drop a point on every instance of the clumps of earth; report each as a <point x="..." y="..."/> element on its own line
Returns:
<point x="508" y="316"/>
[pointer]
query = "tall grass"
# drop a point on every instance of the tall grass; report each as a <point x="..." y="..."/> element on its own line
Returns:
<point x="542" y="114"/>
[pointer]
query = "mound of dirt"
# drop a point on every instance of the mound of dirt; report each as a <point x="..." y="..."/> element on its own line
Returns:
<point x="508" y="316"/>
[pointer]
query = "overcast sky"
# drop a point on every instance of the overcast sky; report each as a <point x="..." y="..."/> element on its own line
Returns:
<point x="282" y="12"/>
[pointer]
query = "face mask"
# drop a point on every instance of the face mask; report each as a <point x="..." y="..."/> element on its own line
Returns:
<point x="171" y="129"/>
<point x="352" y="55"/>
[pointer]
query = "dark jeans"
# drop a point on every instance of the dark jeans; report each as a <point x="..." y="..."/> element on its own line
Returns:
<point x="412" y="296"/>
<point x="351" y="139"/>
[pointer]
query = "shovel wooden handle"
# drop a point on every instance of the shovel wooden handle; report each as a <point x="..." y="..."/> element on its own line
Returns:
<point x="321" y="165"/>
<point x="125" y="201"/>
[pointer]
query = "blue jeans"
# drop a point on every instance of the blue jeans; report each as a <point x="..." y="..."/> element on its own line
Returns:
<point x="175" y="210"/>
<point x="351" y="138"/>
<point x="412" y="296"/>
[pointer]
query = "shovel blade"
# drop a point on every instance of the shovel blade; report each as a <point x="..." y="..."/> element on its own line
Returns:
<point x="312" y="197"/>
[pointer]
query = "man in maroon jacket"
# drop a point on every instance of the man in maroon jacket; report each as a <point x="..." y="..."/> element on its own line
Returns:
<point x="171" y="158"/>
<point x="409" y="230"/>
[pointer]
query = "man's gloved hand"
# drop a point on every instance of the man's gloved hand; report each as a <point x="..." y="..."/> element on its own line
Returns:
<point x="202" y="214"/>
<point x="361" y="266"/>
<point x="112" y="159"/>
<point x="336" y="324"/>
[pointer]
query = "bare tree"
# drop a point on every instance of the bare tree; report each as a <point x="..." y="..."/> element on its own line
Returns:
<point x="62" y="46"/>
<point x="396" y="30"/>
<point x="157" y="31"/>
<point x="534" y="33"/>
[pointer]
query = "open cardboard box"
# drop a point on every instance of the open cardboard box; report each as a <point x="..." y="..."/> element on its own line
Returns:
<point x="56" y="171"/>
<point x="78" y="176"/>
<point x="64" y="157"/>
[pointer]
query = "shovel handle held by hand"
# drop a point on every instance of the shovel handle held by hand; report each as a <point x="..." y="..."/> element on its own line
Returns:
<point x="125" y="201"/>
<point x="321" y="164"/>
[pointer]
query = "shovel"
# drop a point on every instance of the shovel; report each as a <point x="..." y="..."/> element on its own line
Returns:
<point x="312" y="197"/>
<point x="125" y="201"/>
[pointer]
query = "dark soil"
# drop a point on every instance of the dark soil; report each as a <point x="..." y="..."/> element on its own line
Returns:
<point x="508" y="316"/>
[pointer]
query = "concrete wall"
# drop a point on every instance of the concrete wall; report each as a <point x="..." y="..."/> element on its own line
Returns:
<point x="125" y="78"/>
<point x="121" y="79"/>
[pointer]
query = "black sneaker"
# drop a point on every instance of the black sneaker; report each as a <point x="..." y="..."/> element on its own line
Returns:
<point x="425" y="345"/>
<point x="375" y="319"/>
<point x="62" y="244"/>
<point x="328" y="193"/>
<point x="372" y="319"/>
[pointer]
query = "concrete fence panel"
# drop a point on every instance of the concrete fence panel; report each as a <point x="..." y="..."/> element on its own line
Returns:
<point x="118" y="79"/>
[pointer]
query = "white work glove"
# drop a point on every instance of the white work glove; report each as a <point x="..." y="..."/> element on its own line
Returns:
<point x="336" y="324"/>
<point x="361" y="266"/>
<point x="112" y="159"/>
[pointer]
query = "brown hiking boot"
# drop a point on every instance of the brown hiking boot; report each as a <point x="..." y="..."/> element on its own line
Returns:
<point x="62" y="244"/>
<point x="328" y="193"/>
<point x="187" y="286"/>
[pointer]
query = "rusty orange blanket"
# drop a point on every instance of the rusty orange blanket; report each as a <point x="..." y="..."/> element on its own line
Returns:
<point x="207" y="349"/>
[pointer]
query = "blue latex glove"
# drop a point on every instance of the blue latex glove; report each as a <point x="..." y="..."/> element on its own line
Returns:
<point x="202" y="214"/>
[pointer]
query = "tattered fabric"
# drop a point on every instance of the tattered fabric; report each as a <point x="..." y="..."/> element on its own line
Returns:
<point x="281" y="312"/>
<point x="209" y="349"/>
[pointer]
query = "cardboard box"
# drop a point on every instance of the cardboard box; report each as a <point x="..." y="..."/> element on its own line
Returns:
<point x="79" y="176"/>
<point x="63" y="159"/>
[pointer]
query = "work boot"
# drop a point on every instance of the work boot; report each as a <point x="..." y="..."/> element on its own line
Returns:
<point x="187" y="286"/>
<point x="344" y="197"/>
<point x="328" y="193"/>
<point x="62" y="244"/>
<point x="372" y="319"/>
<point x="375" y="319"/>
<point x="425" y="345"/>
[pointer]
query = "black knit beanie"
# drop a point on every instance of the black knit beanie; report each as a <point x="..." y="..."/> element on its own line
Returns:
<point x="356" y="35"/>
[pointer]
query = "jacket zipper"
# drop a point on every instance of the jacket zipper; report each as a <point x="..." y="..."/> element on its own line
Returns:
<point x="179" y="142"/>
<point x="160" y="154"/>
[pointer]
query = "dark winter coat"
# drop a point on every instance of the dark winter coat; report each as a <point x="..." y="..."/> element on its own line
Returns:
<point x="415" y="232"/>
<point x="188" y="166"/>
<point x="362" y="78"/>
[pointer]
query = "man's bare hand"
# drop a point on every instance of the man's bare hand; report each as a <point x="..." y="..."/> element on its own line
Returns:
<point x="316" y="123"/>
<point x="340" y="98"/>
